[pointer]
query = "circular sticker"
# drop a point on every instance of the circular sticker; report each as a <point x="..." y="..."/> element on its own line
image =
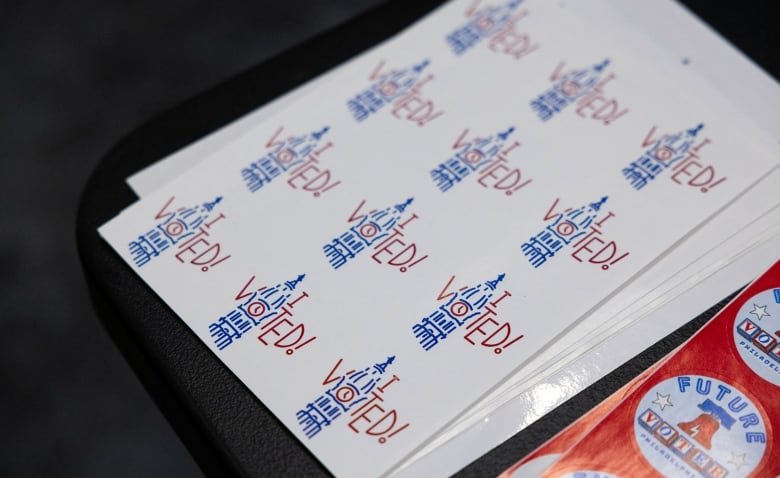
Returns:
<point x="757" y="334"/>
<point x="691" y="425"/>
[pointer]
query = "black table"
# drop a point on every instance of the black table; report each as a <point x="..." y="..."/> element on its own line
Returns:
<point x="225" y="427"/>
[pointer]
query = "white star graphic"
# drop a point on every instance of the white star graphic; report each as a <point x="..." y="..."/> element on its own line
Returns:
<point x="662" y="400"/>
<point x="759" y="312"/>
<point x="738" y="460"/>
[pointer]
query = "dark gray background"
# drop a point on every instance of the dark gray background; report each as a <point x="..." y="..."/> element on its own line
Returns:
<point x="75" y="78"/>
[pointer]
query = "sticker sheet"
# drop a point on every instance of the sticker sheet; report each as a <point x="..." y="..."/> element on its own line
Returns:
<point x="543" y="457"/>
<point x="544" y="395"/>
<point x="156" y="175"/>
<point x="676" y="267"/>
<point x="372" y="261"/>
<point x="710" y="410"/>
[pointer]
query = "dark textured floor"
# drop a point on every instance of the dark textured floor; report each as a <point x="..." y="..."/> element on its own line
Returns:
<point x="75" y="77"/>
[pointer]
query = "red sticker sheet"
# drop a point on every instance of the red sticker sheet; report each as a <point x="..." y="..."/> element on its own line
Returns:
<point x="708" y="411"/>
<point x="562" y="442"/>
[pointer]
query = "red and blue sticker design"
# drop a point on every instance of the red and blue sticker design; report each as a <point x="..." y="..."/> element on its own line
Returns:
<point x="710" y="410"/>
<point x="178" y="228"/>
<point x="381" y="230"/>
<point x="664" y="153"/>
<point x="467" y="304"/>
<point x="256" y="307"/>
<point x="757" y="334"/>
<point x="566" y="227"/>
<point x="297" y="157"/>
<point x="283" y="156"/>
<point x="385" y="90"/>
<point x="567" y="90"/>
<point x="477" y="155"/>
<point x="483" y="23"/>
<point x="358" y="394"/>
<point x="700" y="426"/>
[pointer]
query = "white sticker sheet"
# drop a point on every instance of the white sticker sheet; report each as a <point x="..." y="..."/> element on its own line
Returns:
<point x="156" y="175"/>
<point x="596" y="342"/>
<point x="380" y="254"/>
<point x="744" y="258"/>
<point x="732" y="232"/>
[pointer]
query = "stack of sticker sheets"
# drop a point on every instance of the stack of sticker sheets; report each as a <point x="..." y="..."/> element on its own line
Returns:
<point x="416" y="255"/>
<point x="688" y="415"/>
